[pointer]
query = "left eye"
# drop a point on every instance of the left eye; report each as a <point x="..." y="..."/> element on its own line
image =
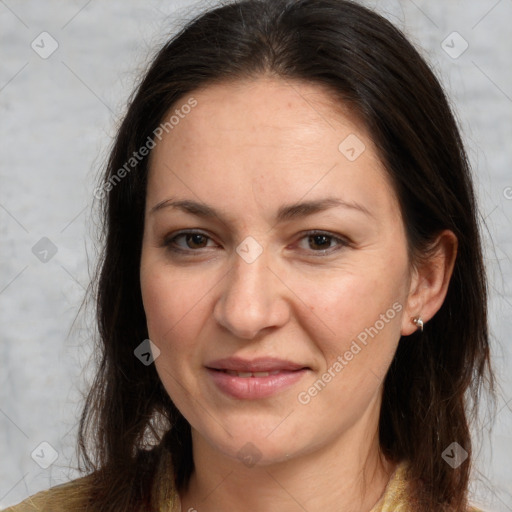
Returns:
<point x="198" y="240"/>
<point x="323" y="241"/>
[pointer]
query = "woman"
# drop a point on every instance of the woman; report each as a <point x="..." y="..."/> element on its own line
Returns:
<point x="290" y="219"/>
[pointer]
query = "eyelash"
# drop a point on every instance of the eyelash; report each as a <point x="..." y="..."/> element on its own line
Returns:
<point x="168" y="242"/>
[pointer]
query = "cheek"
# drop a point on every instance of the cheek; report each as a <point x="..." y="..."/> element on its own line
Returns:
<point x="357" y="315"/>
<point x="174" y="314"/>
<point x="170" y="297"/>
<point x="362" y="318"/>
<point x="346" y="304"/>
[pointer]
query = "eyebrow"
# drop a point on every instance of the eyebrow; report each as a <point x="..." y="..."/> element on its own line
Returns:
<point x="285" y="213"/>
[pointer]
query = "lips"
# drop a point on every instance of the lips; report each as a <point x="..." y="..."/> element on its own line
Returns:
<point x="253" y="366"/>
<point x="246" y="375"/>
<point x="254" y="379"/>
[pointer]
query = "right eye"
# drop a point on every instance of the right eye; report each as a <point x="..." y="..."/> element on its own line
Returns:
<point x="192" y="239"/>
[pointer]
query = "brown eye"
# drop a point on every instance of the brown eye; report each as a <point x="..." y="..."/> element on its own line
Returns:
<point x="192" y="241"/>
<point x="321" y="243"/>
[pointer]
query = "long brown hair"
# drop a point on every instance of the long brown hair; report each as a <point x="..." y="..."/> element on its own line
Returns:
<point x="436" y="376"/>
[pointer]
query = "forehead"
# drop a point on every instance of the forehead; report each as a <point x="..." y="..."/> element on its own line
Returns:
<point x="264" y="111"/>
<point x="277" y="139"/>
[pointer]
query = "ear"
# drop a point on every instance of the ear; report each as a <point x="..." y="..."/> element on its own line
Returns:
<point x="429" y="282"/>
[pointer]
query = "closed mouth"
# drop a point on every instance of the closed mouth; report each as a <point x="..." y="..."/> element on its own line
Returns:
<point x="247" y="375"/>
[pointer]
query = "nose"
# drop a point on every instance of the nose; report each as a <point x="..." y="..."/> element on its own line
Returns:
<point x="253" y="298"/>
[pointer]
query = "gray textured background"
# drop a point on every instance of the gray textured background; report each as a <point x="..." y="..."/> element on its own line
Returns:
<point x="58" y="115"/>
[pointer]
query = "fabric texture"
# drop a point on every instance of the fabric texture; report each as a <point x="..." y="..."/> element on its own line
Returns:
<point x="394" y="498"/>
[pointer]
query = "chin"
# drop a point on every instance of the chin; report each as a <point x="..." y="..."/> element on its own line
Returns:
<point x="261" y="446"/>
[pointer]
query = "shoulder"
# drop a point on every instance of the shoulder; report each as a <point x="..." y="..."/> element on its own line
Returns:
<point x="398" y="494"/>
<point x="61" y="498"/>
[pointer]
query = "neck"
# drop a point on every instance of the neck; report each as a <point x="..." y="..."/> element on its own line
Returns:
<point x="348" y="474"/>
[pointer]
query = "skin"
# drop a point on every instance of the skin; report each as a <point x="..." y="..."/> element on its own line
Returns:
<point x="247" y="149"/>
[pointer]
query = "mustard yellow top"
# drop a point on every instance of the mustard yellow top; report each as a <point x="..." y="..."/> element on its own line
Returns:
<point x="394" y="498"/>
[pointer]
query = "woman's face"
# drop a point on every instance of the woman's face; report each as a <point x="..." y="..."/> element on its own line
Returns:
<point x="276" y="322"/>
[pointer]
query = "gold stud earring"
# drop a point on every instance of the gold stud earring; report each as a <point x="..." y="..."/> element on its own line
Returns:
<point x="418" y="322"/>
